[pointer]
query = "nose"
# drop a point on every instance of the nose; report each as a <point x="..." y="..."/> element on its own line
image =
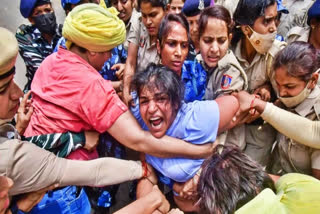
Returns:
<point x="15" y="91"/>
<point x="177" y="11"/>
<point x="214" y="47"/>
<point x="152" y="107"/>
<point x="273" y="26"/>
<point x="148" y="21"/>
<point x="178" y="51"/>
<point x="282" y="91"/>
<point x="119" y="6"/>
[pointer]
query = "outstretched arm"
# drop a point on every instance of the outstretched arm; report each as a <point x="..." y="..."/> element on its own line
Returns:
<point x="137" y="139"/>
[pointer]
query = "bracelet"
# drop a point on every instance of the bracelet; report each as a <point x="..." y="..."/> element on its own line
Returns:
<point x="145" y="169"/>
<point x="251" y="105"/>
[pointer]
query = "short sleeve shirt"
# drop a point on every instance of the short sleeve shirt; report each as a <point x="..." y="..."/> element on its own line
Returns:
<point x="70" y="95"/>
<point x="195" y="122"/>
<point x="298" y="34"/>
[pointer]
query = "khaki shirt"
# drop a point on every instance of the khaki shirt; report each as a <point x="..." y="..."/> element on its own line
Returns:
<point x="227" y="77"/>
<point x="298" y="14"/>
<point x="256" y="140"/>
<point x="231" y="5"/>
<point x="147" y="52"/>
<point x="134" y="20"/>
<point x="295" y="157"/>
<point x="259" y="70"/>
<point x="298" y="34"/>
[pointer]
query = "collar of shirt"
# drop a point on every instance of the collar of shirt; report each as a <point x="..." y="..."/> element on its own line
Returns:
<point x="305" y="107"/>
<point x="242" y="60"/>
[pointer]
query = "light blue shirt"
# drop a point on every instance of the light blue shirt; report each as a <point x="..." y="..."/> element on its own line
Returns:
<point x="196" y="122"/>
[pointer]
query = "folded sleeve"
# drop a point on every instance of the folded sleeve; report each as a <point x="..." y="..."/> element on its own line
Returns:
<point x="100" y="105"/>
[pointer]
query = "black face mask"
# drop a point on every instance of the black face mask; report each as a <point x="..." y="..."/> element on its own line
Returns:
<point x="46" y="23"/>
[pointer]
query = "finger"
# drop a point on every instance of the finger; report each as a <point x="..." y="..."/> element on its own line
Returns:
<point x="30" y="112"/>
<point x="115" y="67"/>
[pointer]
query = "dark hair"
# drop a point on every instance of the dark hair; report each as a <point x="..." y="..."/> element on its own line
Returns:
<point x="166" y="25"/>
<point x="300" y="58"/>
<point x="162" y="78"/>
<point x="247" y="13"/>
<point x="170" y="1"/>
<point x="218" y="12"/>
<point x="229" y="180"/>
<point x="154" y="3"/>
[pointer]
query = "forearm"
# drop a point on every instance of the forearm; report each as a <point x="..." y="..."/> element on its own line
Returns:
<point x="147" y="204"/>
<point x="137" y="139"/>
<point x="298" y="128"/>
<point x="100" y="172"/>
<point x="144" y="187"/>
<point x="33" y="168"/>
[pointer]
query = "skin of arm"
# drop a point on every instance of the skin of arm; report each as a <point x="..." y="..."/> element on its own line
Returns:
<point x="153" y="201"/>
<point x="129" y="71"/>
<point x="227" y="113"/>
<point x="137" y="139"/>
<point x="282" y="120"/>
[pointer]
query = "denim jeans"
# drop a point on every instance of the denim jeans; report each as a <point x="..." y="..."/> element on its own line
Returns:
<point x="64" y="201"/>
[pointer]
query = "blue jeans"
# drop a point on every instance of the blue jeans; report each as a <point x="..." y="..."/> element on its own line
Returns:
<point x="64" y="201"/>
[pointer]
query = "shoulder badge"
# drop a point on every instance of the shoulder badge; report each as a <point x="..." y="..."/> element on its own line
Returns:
<point x="226" y="81"/>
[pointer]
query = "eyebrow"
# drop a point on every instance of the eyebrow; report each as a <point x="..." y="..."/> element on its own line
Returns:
<point x="2" y="88"/>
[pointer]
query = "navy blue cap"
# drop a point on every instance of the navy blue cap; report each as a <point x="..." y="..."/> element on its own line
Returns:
<point x="281" y="8"/>
<point x="314" y="11"/>
<point x="194" y="7"/>
<point x="27" y="6"/>
<point x="64" y="2"/>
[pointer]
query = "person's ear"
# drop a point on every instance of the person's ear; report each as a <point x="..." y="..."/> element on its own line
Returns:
<point x="168" y="7"/>
<point x="314" y="80"/>
<point x="230" y="37"/>
<point x="313" y="23"/>
<point x="31" y="20"/>
<point x="158" y="47"/>
<point x="246" y="30"/>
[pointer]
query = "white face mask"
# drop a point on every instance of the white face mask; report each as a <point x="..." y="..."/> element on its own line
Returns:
<point x="296" y="100"/>
<point x="262" y="42"/>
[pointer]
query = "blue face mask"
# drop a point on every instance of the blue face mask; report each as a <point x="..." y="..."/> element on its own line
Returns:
<point x="46" y="23"/>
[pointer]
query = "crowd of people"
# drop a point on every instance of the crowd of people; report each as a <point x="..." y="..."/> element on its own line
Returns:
<point x="216" y="101"/>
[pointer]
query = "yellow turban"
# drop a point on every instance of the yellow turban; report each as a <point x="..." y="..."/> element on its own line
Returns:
<point x="94" y="28"/>
<point x="8" y="51"/>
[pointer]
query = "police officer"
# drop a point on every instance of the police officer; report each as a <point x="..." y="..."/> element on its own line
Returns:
<point x="311" y="32"/>
<point x="37" y="41"/>
<point x="191" y="9"/>
<point x="255" y="46"/>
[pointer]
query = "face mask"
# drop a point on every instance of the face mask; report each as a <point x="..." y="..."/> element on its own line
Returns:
<point x="296" y="100"/>
<point x="262" y="42"/>
<point x="46" y="23"/>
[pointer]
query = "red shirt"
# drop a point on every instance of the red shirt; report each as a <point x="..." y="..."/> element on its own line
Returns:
<point x="70" y="95"/>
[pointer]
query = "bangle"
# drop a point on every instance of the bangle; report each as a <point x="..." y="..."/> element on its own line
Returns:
<point x="251" y="105"/>
<point x="145" y="169"/>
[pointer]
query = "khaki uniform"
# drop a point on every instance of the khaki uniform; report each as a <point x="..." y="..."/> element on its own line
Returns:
<point x="290" y="156"/>
<point x="257" y="139"/>
<point x="134" y="20"/>
<point x="147" y="52"/>
<point x="231" y="5"/>
<point x="298" y="34"/>
<point x="298" y="14"/>
<point x="32" y="168"/>
<point x="226" y="78"/>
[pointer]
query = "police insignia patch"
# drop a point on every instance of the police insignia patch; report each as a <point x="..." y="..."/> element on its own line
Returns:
<point x="226" y="81"/>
